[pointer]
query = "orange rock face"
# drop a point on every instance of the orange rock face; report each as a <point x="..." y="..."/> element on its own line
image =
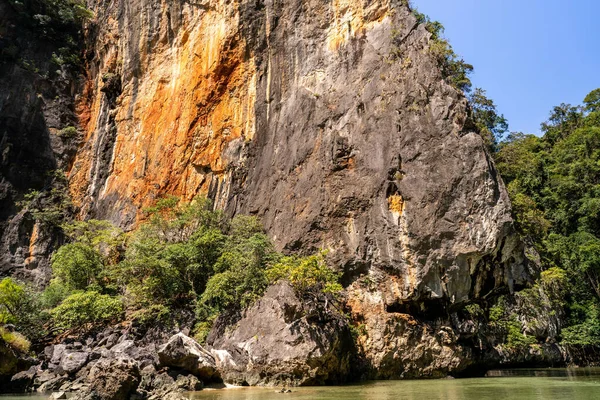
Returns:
<point x="188" y="90"/>
<point x="190" y="96"/>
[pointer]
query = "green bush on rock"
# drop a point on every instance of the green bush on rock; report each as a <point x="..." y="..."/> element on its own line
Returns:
<point x="83" y="309"/>
<point x="184" y="257"/>
<point x="77" y="265"/>
<point x="306" y="274"/>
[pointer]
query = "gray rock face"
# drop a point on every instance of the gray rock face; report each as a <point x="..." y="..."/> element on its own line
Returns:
<point x="329" y="120"/>
<point x="36" y="102"/>
<point x="114" y="379"/>
<point x="362" y="149"/>
<point x="277" y="342"/>
<point x="184" y="352"/>
<point x="72" y="362"/>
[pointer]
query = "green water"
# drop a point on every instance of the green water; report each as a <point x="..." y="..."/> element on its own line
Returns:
<point x="540" y="384"/>
<point x="554" y="384"/>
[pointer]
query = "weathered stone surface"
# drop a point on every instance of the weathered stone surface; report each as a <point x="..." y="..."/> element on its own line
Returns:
<point x="58" y="396"/>
<point x="329" y="120"/>
<point x="114" y="379"/>
<point x="184" y="352"/>
<point x="36" y="102"/>
<point x="399" y="345"/>
<point x="278" y="341"/>
<point x="73" y="361"/>
<point x="167" y="385"/>
<point x="23" y="380"/>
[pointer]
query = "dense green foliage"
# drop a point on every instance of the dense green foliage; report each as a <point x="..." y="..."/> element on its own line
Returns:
<point x="77" y="265"/>
<point x="12" y="304"/>
<point x="58" y="21"/>
<point x="554" y="184"/>
<point x="51" y="206"/>
<point x="82" y="309"/>
<point x="491" y="126"/>
<point x="21" y="305"/>
<point x="54" y="17"/>
<point x="308" y="274"/>
<point x="185" y="256"/>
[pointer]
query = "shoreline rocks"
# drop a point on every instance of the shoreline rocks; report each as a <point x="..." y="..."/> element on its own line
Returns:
<point x="184" y="352"/>
<point x="283" y="340"/>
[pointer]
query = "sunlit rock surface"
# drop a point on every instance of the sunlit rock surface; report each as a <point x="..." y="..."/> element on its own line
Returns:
<point x="331" y="121"/>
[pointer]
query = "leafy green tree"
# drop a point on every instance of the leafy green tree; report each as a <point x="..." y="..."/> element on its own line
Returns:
<point x="77" y="265"/>
<point x="83" y="310"/>
<point x="490" y="124"/>
<point x="19" y="305"/>
<point x="239" y="275"/>
<point x="563" y="121"/>
<point x="592" y="101"/>
<point x="170" y="258"/>
<point x="306" y="274"/>
<point x="12" y="301"/>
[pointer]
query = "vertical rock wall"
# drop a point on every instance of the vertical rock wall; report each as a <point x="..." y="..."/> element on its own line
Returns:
<point x="328" y="119"/>
<point x="37" y="101"/>
<point x="171" y="91"/>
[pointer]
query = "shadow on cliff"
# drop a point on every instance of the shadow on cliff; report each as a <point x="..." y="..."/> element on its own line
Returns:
<point x="34" y="100"/>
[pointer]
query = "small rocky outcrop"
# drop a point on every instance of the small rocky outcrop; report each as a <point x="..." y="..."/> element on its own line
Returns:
<point x="185" y="353"/>
<point x="280" y="340"/>
<point x="113" y="379"/>
<point x="167" y="384"/>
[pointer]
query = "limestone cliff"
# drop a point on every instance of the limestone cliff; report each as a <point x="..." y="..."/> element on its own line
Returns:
<point x="331" y="121"/>
<point x="304" y="114"/>
<point x="37" y="102"/>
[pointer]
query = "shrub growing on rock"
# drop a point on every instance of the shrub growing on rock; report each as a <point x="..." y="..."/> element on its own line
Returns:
<point x="306" y="274"/>
<point x="84" y="309"/>
<point x="15" y="340"/>
<point x="77" y="265"/>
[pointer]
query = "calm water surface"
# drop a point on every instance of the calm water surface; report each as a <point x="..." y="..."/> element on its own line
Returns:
<point x="547" y="384"/>
<point x="530" y="384"/>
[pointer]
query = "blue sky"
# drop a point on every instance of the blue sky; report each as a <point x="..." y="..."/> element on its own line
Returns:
<point x="529" y="55"/>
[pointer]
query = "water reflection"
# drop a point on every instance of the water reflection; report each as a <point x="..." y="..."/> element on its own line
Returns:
<point x="530" y="384"/>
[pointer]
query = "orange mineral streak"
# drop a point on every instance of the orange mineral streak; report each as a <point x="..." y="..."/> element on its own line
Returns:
<point x="396" y="204"/>
<point x="352" y="18"/>
<point x="33" y="241"/>
<point x="174" y="123"/>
